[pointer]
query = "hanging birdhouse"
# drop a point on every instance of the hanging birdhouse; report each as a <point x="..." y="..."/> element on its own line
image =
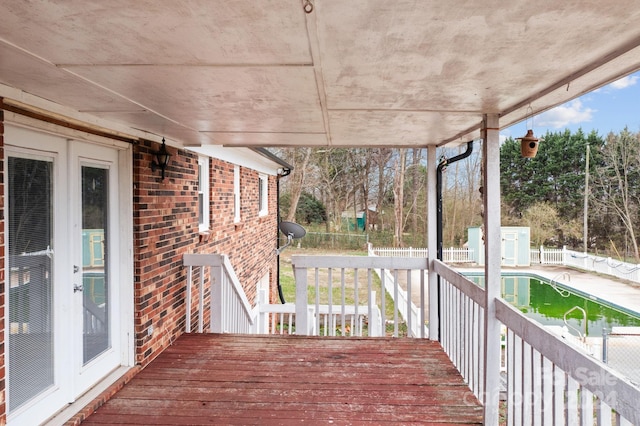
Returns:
<point x="529" y="145"/>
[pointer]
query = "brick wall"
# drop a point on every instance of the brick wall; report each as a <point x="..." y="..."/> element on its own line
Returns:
<point x="166" y="227"/>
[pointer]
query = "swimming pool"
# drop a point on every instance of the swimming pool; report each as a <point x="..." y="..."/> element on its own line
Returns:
<point x="538" y="299"/>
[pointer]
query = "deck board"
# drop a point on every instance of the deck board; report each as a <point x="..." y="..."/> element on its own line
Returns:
<point x="232" y="379"/>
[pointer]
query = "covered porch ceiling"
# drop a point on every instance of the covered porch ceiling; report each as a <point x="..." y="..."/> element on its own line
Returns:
<point x="356" y="73"/>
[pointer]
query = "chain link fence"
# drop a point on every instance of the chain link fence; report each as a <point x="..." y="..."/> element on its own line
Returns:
<point x="621" y="351"/>
<point x="333" y="241"/>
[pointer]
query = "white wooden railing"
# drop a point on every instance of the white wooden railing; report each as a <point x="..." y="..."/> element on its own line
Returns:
<point x="392" y="281"/>
<point x="28" y="280"/>
<point x="281" y="319"/>
<point x="462" y="305"/>
<point x="349" y="270"/>
<point x="402" y="296"/>
<point x="449" y="255"/>
<point x="537" y="256"/>
<point x="457" y="255"/>
<point x="546" y="256"/>
<point x="94" y="317"/>
<point x="549" y="381"/>
<point x="275" y="319"/>
<point x="398" y="251"/>
<point x="230" y="311"/>
<point x="552" y="382"/>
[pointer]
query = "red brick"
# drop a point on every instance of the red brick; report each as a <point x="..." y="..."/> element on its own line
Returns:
<point x="166" y="227"/>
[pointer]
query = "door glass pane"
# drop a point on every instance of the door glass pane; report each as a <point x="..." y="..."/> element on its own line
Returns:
<point x="95" y="262"/>
<point x="30" y="192"/>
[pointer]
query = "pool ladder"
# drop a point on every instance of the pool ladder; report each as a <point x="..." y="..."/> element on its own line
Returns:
<point x="561" y="291"/>
<point x="583" y="334"/>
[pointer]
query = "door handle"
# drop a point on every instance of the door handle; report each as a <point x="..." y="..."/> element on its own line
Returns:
<point x="77" y="288"/>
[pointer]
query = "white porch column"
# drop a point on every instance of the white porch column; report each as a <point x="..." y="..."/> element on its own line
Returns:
<point x="492" y="256"/>
<point x="432" y="241"/>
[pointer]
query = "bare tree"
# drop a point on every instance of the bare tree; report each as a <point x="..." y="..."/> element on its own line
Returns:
<point x="415" y="183"/>
<point x="398" y="197"/>
<point x="473" y="196"/>
<point x="454" y="202"/>
<point x="544" y="221"/>
<point x="359" y="169"/>
<point x="300" y="162"/>
<point x="617" y="180"/>
<point x="381" y="158"/>
<point x="365" y="183"/>
<point x="336" y="180"/>
<point x="461" y="197"/>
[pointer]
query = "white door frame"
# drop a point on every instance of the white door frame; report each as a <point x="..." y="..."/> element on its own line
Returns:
<point x="40" y="139"/>
<point x="42" y="147"/>
<point x="82" y="154"/>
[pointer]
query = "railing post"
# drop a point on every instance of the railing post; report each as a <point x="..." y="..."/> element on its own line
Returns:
<point x="375" y="328"/>
<point x="302" y="296"/>
<point x="201" y="300"/>
<point x="263" y="317"/>
<point x="187" y="320"/>
<point x="216" y="322"/>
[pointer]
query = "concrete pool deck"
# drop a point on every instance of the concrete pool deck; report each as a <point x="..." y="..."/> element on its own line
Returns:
<point x="610" y="289"/>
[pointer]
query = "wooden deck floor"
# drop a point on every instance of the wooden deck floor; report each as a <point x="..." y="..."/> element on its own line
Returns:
<point x="231" y="379"/>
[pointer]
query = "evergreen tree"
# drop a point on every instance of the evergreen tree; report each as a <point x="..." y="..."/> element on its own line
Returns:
<point x="556" y="177"/>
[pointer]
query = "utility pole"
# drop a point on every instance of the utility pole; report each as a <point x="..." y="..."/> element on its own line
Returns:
<point x="586" y="201"/>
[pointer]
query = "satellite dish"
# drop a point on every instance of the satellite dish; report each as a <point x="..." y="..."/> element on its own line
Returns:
<point x="293" y="231"/>
<point x="289" y="228"/>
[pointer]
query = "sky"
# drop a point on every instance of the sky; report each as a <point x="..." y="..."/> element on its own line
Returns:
<point x="610" y="108"/>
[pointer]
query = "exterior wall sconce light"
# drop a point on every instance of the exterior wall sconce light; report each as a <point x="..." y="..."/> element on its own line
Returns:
<point x="161" y="159"/>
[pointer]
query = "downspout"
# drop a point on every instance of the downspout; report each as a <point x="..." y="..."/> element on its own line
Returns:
<point x="284" y="170"/>
<point x="281" y="173"/>
<point x="441" y="167"/>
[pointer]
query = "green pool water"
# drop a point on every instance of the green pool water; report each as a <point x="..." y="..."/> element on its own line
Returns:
<point x="535" y="297"/>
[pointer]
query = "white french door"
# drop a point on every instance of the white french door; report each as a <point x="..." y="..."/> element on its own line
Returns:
<point x="94" y="229"/>
<point x="65" y="320"/>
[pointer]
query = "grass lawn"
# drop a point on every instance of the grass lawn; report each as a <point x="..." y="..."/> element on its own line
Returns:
<point x="337" y="293"/>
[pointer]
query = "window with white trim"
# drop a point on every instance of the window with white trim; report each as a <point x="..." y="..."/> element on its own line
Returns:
<point x="236" y="194"/>
<point x="203" y="193"/>
<point x="263" y="195"/>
